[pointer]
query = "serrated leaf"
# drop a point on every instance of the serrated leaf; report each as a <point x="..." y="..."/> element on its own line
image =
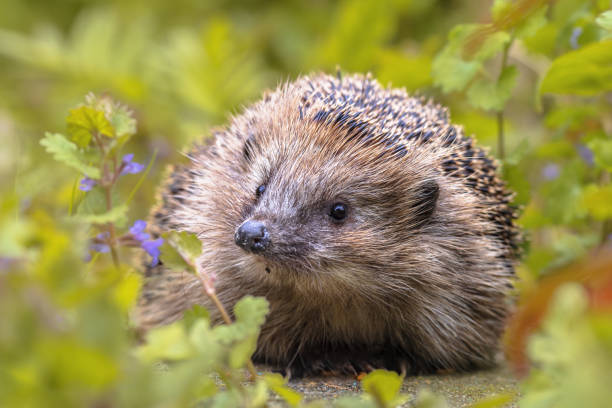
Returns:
<point x="384" y="385"/>
<point x="278" y="384"/>
<point x="240" y="352"/>
<point x="454" y="67"/>
<point x="251" y="311"/>
<point x="84" y="121"/>
<point x="181" y="250"/>
<point x="117" y="215"/>
<point x="186" y="243"/>
<point x="257" y="395"/>
<point x="204" y="341"/>
<point x="586" y="71"/>
<point x="492" y="45"/>
<point x="173" y="259"/>
<point x="604" y="20"/>
<point x="449" y="70"/>
<point x="166" y="343"/>
<point x="195" y="313"/>
<point x="63" y="150"/>
<point x="123" y="122"/>
<point x="489" y="95"/>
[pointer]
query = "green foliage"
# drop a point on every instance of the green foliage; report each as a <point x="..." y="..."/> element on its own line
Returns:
<point x="384" y="387"/>
<point x="573" y="355"/>
<point x="586" y="71"/>
<point x="68" y="153"/>
<point x="181" y="250"/>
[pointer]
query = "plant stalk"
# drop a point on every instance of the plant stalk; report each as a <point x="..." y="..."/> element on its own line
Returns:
<point x="501" y="150"/>
<point x="225" y="315"/>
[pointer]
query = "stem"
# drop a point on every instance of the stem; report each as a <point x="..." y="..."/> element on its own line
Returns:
<point x="111" y="228"/>
<point x="500" y="135"/>
<point x="226" y="317"/>
<point x="501" y="151"/>
<point x="221" y="308"/>
<point x="142" y="178"/>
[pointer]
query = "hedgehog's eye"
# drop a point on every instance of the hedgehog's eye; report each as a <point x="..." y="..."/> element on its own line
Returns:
<point x="260" y="190"/>
<point x="338" y="211"/>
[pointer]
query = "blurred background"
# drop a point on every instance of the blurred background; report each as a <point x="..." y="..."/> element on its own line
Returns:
<point x="186" y="66"/>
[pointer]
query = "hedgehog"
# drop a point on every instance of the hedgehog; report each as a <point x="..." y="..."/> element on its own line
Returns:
<point x="380" y="235"/>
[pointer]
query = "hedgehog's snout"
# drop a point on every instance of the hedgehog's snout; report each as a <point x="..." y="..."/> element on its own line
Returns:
<point x="252" y="236"/>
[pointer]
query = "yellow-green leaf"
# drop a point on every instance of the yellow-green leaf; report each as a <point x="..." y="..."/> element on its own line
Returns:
<point x="279" y="385"/>
<point x="586" y="71"/>
<point x="383" y="385"/>
<point x="598" y="201"/>
<point x="83" y="122"/>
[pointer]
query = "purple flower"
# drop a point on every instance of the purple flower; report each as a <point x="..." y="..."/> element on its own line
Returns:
<point x="102" y="248"/>
<point x="152" y="248"/>
<point x="576" y="32"/>
<point x="100" y="245"/>
<point x="137" y="230"/>
<point x="87" y="184"/>
<point x="586" y="154"/>
<point x="551" y="171"/>
<point x="130" y="167"/>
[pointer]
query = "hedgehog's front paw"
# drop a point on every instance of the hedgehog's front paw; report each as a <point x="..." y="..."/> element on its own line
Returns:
<point x="343" y="364"/>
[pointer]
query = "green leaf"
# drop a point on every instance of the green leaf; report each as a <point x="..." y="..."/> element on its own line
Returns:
<point x="383" y="385"/>
<point x="127" y="290"/>
<point x="173" y="259"/>
<point x="278" y="384"/>
<point x="586" y="71"/>
<point x="166" y="343"/>
<point x="598" y="201"/>
<point x="196" y="312"/>
<point x="203" y="340"/>
<point x="122" y="121"/>
<point x="602" y="153"/>
<point x="604" y="20"/>
<point x="68" y="153"/>
<point x="180" y="250"/>
<point x="451" y="70"/>
<point x="495" y="401"/>
<point x="492" y="45"/>
<point x="117" y="215"/>
<point x="251" y="311"/>
<point x="84" y="121"/>
<point x="250" y="314"/>
<point x="532" y="24"/>
<point x="489" y="95"/>
<point x="186" y="242"/>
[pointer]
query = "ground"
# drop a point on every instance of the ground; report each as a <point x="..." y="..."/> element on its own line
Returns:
<point x="460" y="390"/>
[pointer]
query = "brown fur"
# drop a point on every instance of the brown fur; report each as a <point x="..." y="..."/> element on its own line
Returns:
<point x="416" y="277"/>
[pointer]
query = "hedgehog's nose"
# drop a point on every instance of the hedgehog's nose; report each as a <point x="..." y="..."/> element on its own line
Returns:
<point x="252" y="236"/>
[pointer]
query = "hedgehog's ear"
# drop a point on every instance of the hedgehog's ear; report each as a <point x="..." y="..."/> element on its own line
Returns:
<point x="426" y="198"/>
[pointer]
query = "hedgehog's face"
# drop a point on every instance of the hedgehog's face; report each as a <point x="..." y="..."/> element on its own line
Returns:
<point x="314" y="214"/>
